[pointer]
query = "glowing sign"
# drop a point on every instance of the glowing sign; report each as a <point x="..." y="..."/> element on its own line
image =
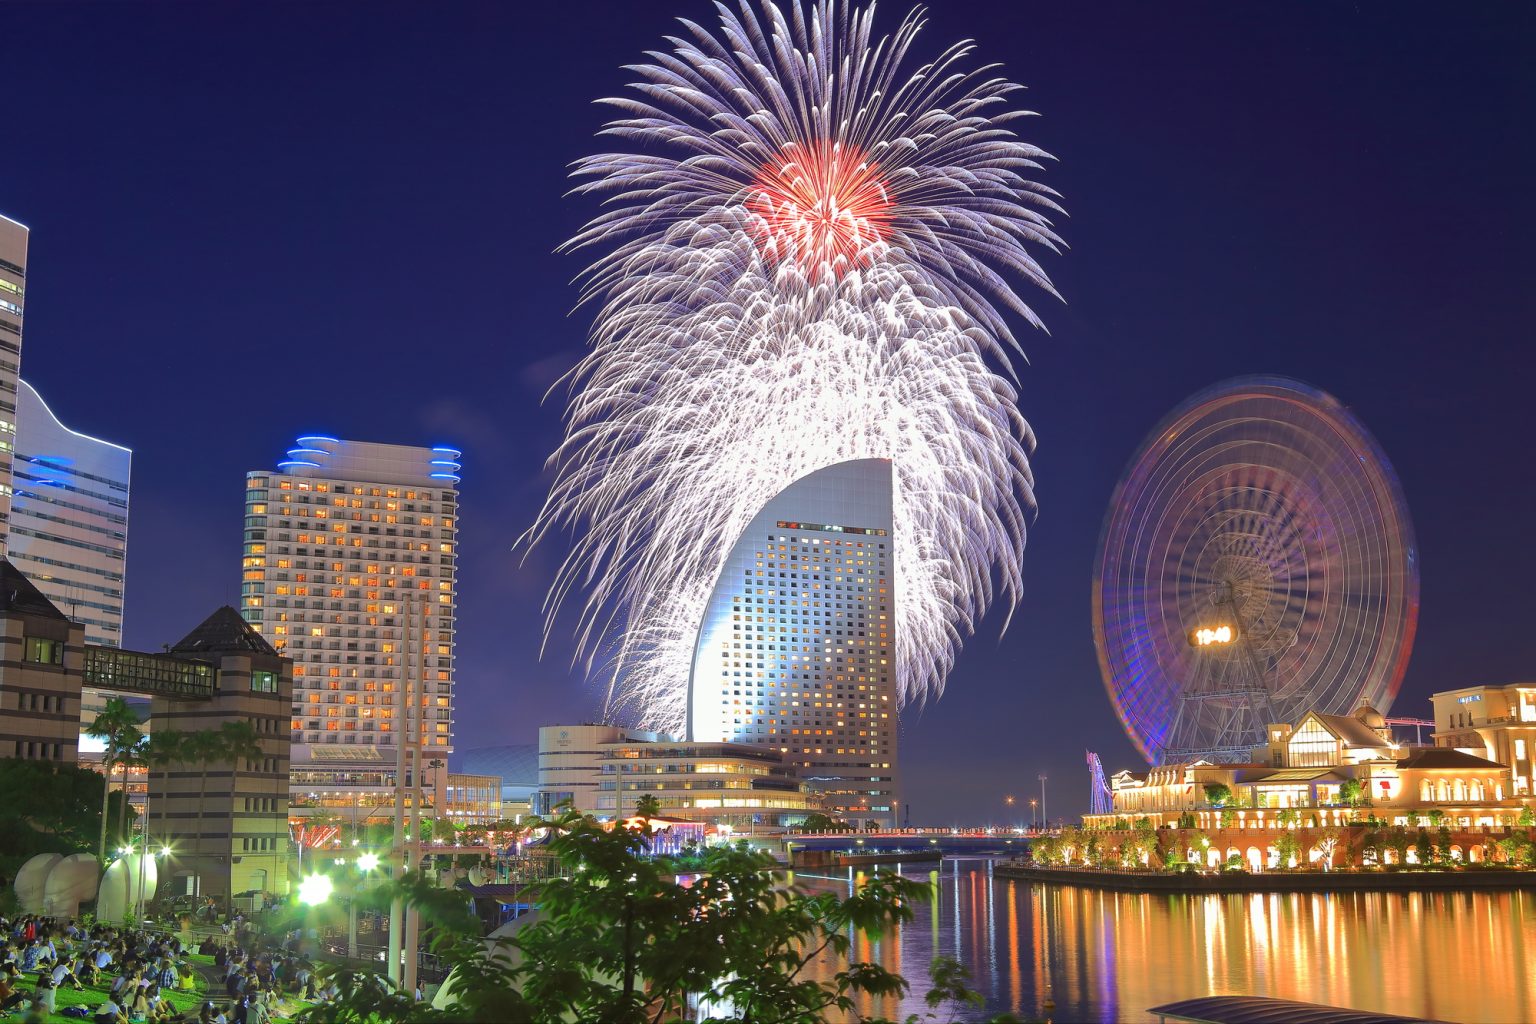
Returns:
<point x="1206" y="636"/>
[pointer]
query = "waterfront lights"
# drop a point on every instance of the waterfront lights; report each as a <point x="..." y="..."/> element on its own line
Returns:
<point x="315" y="890"/>
<point x="367" y="862"/>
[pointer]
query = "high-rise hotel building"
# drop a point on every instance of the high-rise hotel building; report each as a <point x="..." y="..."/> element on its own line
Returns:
<point x="13" y="289"/>
<point x="341" y="543"/>
<point x="796" y="649"/>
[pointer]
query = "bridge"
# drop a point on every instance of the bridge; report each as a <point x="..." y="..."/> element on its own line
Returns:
<point x="976" y="841"/>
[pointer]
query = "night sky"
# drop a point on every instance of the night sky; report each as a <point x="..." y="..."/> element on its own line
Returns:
<point x="255" y="221"/>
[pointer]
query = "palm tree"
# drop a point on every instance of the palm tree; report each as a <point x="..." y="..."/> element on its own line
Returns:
<point x="239" y="742"/>
<point x="165" y="748"/>
<point x="118" y="726"/>
<point x="204" y="747"/>
<point x="131" y="757"/>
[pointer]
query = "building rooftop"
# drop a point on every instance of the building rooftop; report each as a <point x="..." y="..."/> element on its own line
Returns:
<point x="17" y="594"/>
<point x="1351" y="730"/>
<point x="223" y="632"/>
<point x="1445" y="757"/>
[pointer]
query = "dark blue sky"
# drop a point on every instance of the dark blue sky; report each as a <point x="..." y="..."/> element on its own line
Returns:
<point x="252" y="221"/>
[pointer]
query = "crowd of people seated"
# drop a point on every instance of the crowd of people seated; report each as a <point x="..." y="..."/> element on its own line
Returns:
<point x="137" y="969"/>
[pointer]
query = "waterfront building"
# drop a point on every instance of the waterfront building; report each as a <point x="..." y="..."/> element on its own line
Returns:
<point x="796" y="651"/>
<point x="571" y="763"/>
<point x="516" y="764"/>
<point x="472" y="799"/>
<point x="13" y="290"/>
<point x="1496" y="722"/>
<point x="605" y="771"/>
<point x="1302" y="773"/>
<point x="350" y="570"/>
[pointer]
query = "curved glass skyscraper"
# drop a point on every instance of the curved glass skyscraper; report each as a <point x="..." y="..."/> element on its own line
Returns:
<point x="796" y="651"/>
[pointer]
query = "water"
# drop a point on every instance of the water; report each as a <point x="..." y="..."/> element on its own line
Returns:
<point x="1107" y="956"/>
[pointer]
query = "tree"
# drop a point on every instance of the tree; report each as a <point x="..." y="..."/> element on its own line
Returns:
<point x="1187" y="819"/>
<point x="1288" y="848"/>
<point x="818" y="822"/>
<point x="1217" y="793"/>
<point x="1351" y="792"/>
<point x="1424" y="849"/>
<point x="648" y="806"/>
<point x="1443" y="845"/>
<point x="117" y="726"/>
<point x="1287" y="818"/>
<point x="1436" y="816"/>
<point x="1325" y="842"/>
<point x="1527" y="816"/>
<point x="164" y="748"/>
<point x="49" y="808"/>
<point x="1228" y="816"/>
<point x="619" y="940"/>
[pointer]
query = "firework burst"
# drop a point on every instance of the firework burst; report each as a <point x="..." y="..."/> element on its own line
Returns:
<point x="803" y="260"/>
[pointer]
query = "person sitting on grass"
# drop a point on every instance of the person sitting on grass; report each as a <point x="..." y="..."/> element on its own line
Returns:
<point x="109" y="1013"/>
<point x="10" y="997"/>
<point x="210" y="1014"/>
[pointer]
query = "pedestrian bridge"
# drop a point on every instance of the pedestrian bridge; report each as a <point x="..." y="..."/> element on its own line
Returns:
<point x="978" y="841"/>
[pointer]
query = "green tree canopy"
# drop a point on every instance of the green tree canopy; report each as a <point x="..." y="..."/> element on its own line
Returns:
<point x="1217" y="793"/>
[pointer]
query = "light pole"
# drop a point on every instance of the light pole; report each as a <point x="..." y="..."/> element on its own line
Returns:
<point x="1008" y="802"/>
<point x="1034" y="806"/>
<point x="1044" y="818"/>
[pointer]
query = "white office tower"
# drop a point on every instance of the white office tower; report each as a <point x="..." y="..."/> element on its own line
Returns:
<point x="69" y="518"/>
<point x="341" y="543"/>
<point x="13" y="287"/>
<point x="796" y="649"/>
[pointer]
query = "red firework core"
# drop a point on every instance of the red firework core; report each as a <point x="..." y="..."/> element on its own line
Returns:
<point x="822" y="203"/>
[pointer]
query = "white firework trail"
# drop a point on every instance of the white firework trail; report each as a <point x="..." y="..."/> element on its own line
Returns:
<point x="808" y="254"/>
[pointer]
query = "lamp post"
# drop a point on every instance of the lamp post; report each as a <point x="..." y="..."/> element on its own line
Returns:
<point x="1033" y="807"/>
<point x="1044" y="818"/>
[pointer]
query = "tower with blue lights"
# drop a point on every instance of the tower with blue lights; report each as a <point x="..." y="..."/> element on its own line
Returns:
<point x="350" y="569"/>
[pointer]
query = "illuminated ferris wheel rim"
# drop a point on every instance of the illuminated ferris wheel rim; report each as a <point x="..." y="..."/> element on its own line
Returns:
<point x="1330" y="563"/>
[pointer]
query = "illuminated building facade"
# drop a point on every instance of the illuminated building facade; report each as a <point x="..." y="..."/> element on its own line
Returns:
<point x="350" y="571"/>
<point x="1496" y="722"/>
<point x="13" y="289"/>
<point x="1304" y="769"/>
<point x="473" y="799"/>
<point x="796" y="648"/>
<point x="735" y="787"/>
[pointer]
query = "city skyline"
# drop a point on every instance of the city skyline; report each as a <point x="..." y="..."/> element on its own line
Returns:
<point x="277" y="243"/>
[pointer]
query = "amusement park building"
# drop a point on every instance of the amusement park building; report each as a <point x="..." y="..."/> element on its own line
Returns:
<point x="1305" y="766"/>
<point x="796" y="652"/>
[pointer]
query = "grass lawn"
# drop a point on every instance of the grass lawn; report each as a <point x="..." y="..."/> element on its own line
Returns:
<point x="94" y="995"/>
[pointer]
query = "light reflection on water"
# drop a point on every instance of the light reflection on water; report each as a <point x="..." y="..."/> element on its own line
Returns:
<point x="1110" y="956"/>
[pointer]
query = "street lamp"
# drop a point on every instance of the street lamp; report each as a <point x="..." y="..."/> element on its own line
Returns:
<point x="1033" y="804"/>
<point x="315" y="890"/>
<point x="1044" y="818"/>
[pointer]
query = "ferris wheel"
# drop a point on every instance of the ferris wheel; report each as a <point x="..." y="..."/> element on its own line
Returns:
<point x="1257" y="562"/>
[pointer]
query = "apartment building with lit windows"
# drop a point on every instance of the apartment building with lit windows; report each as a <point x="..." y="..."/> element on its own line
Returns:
<point x="350" y="570"/>
<point x="797" y="650"/>
<point x="13" y="290"/>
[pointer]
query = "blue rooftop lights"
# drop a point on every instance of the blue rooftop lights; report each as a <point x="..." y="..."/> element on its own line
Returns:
<point x="451" y="451"/>
<point x="295" y="452"/>
<point x="297" y="462"/>
<point x="445" y="476"/>
<point x="316" y="437"/>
